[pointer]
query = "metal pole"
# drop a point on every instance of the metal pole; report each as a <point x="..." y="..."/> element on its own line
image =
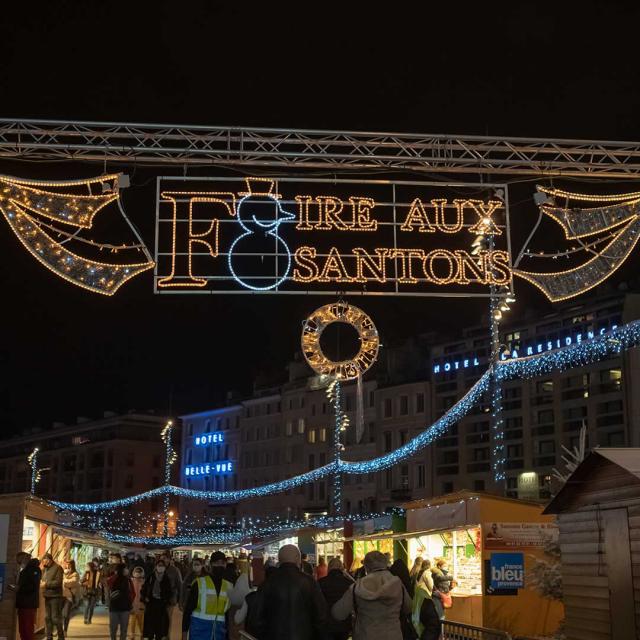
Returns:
<point x="337" y="449"/>
<point x="497" y="421"/>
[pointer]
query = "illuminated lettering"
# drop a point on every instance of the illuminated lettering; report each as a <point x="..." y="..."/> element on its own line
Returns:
<point x="304" y="258"/>
<point x="471" y="269"/>
<point x="485" y="211"/>
<point x="329" y="210"/>
<point x="303" y="213"/>
<point x="376" y="269"/>
<point x="207" y="238"/>
<point x="417" y="215"/>
<point x="498" y="267"/>
<point x="361" y="209"/>
<point x="440" y="206"/>
<point x="428" y="265"/>
<point x="334" y="269"/>
<point x="529" y="351"/>
<point x="407" y="256"/>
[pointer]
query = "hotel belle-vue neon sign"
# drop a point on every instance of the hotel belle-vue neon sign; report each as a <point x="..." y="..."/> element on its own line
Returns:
<point x="295" y="235"/>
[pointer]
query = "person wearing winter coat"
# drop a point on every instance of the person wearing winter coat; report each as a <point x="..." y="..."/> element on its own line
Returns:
<point x="378" y="600"/>
<point x="71" y="589"/>
<point x="156" y="596"/>
<point x="53" y="596"/>
<point x="121" y="596"/>
<point x="27" y="594"/>
<point x="136" y="618"/>
<point x="294" y="608"/>
<point x="430" y="627"/>
<point x="91" y="586"/>
<point x="423" y="592"/>
<point x="333" y="587"/>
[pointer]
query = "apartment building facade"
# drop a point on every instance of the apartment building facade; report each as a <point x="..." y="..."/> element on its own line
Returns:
<point x="288" y="430"/>
<point x="90" y="461"/>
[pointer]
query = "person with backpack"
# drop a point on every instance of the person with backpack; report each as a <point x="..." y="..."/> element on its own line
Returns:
<point x="121" y="597"/>
<point x="379" y="601"/>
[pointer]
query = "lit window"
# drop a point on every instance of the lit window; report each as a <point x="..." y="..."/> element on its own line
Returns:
<point x="300" y="425"/>
<point x="323" y="434"/>
<point x="311" y="436"/>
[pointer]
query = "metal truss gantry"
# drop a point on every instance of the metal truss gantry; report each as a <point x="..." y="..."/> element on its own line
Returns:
<point x="163" y="144"/>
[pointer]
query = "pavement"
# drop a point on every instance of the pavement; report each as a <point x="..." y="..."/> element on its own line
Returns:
<point x="99" y="627"/>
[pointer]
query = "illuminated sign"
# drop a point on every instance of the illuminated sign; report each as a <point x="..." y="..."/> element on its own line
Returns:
<point x="209" y="438"/>
<point x="293" y="235"/>
<point x="529" y="350"/>
<point x="209" y="468"/>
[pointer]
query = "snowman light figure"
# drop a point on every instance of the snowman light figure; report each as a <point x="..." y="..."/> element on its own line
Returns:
<point x="253" y="262"/>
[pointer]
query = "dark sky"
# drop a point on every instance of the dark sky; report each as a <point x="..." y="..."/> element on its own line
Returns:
<point x="561" y="69"/>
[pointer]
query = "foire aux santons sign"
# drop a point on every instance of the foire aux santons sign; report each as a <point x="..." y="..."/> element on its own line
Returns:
<point x="294" y="235"/>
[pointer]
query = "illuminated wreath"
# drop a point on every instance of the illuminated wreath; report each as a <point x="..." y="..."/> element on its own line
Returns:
<point x="319" y="320"/>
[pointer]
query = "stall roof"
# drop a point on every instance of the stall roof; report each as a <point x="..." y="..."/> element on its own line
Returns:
<point x="588" y="477"/>
<point x="465" y="494"/>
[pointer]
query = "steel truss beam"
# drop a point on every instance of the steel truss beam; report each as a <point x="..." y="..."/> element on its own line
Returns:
<point x="330" y="150"/>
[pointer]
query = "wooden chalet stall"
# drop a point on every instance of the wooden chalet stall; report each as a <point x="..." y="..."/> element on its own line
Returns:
<point x="598" y="512"/>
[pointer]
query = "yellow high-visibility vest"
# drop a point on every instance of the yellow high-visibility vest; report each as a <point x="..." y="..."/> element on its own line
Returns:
<point x="211" y="604"/>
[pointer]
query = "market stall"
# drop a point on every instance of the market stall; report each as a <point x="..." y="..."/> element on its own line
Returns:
<point x="490" y="545"/>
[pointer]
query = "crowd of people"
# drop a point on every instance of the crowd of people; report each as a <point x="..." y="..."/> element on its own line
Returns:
<point x="294" y="600"/>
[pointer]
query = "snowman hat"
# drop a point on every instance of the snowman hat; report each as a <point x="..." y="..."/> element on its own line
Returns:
<point x="260" y="187"/>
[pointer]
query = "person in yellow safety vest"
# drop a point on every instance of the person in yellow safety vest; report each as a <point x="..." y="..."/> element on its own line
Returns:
<point x="208" y="601"/>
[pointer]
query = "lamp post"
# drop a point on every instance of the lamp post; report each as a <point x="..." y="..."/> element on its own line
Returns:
<point x="334" y="393"/>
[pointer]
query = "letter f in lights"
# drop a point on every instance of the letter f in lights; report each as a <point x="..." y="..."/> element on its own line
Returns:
<point x="199" y="233"/>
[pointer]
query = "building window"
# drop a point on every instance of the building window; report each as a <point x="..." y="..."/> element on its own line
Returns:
<point x="190" y="428"/>
<point x="207" y="426"/>
<point x="311" y="436"/>
<point x="404" y="405"/>
<point x="546" y="446"/>
<point x="388" y="408"/>
<point x="404" y="436"/>
<point x="422" y="476"/>
<point x="544" y="386"/>
<point x="288" y="428"/>
<point x="515" y="451"/>
<point x="130" y="459"/>
<point x="321" y="491"/>
<point x="387" y="479"/>
<point x="372" y="398"/>
<point x="313" y="409"/>
<point x="545" y="416"/>
<point x="420" y="403"/>
<point x="323" y="434"/>
<point x="387" y="441"/>
<point x="300" y="425"/>
<point x="404" y="476"/>
<point x="372" y="431"/>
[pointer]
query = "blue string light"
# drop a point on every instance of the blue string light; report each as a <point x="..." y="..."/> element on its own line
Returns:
<point x="608" y="345"/>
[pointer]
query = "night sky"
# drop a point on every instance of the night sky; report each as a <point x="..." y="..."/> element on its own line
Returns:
<point x="517" y="68"/>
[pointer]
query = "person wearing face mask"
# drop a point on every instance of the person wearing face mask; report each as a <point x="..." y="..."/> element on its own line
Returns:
<point x="109" y="569"/>
<point x="156" y="597"/>
<point x="121" y="596"/>
<point x="71" y="589"/>
<point x="27" y="592"/>
<point x="209" y="600"/>
<point x="136" y="619"/>
<point x="53" y="596"/>
<point x="91" y="586"/>
<point x="197" y="570"/>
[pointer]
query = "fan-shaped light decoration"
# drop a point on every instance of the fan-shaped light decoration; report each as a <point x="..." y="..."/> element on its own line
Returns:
<point x="25" y="202"/>
<point x="319" y="320"/>
<point x="619" y="214"/>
